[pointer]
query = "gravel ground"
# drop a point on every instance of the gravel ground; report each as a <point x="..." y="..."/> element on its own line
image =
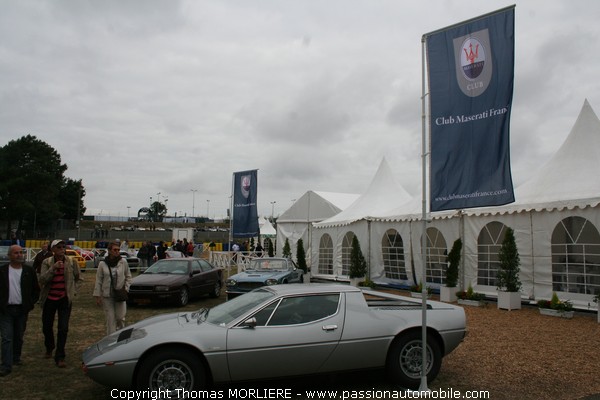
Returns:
<point x="524" y="355"/>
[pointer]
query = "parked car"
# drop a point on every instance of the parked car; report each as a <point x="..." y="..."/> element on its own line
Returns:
<point x="132" y="261"/>
<point x="176" y="280"/>
<point x="87" y="255"/>
<point x="174" y="254"/>
<point x="293" y="330"/>
<point x="4" y="254"/>
<point x="264" y="271"/>
<point x="75" y="256"/>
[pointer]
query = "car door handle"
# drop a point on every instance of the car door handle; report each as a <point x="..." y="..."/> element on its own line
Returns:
<point x="329" y="327"/>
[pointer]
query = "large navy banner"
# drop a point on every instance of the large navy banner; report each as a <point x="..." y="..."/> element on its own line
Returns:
<point x="470" y="75"/>
<point x="245" y="211"/>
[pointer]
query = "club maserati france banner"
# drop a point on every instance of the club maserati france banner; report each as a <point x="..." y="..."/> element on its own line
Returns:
<point x="471" y="75"/>
<point x="245" y="211"/>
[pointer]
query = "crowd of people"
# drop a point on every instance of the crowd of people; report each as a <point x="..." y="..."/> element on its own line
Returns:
<point x="53" y="282"/>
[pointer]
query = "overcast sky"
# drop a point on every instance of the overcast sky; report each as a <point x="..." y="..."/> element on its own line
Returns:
<point x="163" y="96"/>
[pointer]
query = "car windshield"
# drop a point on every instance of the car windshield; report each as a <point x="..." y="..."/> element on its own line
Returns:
<point x="226" y="312"/>
<point x="176" y="267"/>
<point x="264" y="264"/>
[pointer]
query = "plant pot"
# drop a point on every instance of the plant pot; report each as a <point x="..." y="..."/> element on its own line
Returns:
<point x="509" y="300"/>
<point x="448" y="294"/>
<point x="557" y="313"/>
<point x="419" y="295"/>
<point x="355" y="281"/>
<point x="473" y="303"/>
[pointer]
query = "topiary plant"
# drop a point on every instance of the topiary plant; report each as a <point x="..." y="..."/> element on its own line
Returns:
<point x="301" y="256"/>
<point x="453" y="262"/>
<point x="358" y="265"/>
<point x="508" y="273"/>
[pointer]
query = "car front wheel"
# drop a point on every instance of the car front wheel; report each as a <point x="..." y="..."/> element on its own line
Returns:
<point x="405" y="359"/>
<point x="184" y="296"/>
<point x="170" y="369"/>
<point x="216" y="292"/>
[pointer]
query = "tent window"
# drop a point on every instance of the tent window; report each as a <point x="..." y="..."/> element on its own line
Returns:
<point x="436" y="256"/>
<point x="346" y="252"/>
<point x="392" y="249"/>
<point x="488" y="248"/>
<point x="326" y="255"/>
<point x="576" y="257"/>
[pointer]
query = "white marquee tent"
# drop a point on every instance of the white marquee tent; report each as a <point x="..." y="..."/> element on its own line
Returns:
<point x="555" y="218"/>
<point x="295" y="222"/>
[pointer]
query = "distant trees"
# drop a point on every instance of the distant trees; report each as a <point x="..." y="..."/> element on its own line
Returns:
<point x="33" y="189"/>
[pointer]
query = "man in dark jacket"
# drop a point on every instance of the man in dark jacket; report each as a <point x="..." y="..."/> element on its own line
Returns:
<point x="19" y="291"/>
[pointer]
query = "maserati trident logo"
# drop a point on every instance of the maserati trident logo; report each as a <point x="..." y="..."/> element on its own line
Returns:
<point x="245" y="185"/>
<point x="472" y="58"/>
<point x="472" y="53"/>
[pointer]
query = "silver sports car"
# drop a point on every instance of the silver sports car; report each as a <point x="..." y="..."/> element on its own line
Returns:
<point x="293" y="330"/>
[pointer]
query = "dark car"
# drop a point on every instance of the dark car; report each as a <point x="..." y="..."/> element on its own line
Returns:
<point x="264" y="272"/>
<point x="176" y="280"/>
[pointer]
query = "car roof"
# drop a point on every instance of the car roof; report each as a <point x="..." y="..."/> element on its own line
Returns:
<point x="303" y="288"/>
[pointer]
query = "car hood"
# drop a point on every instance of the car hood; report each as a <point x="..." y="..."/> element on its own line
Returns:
<point x="135" y="338"/>
<point x="158" y="279"/>
<point x="259" y="275"/>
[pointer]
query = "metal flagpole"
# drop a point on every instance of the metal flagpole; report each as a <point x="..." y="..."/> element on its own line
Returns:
<point x="423" y="386"/>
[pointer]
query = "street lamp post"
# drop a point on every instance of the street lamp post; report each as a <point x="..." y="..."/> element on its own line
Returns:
<point x="272" y="209"/>
<point x="158" y="197"/>
<point x="128" y="207"/>
<point x="207" y="209"/>
<point x="193" y="202"/>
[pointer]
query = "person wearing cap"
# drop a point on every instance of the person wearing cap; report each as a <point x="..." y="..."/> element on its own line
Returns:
<point x="60" y="279"/>
<point x="19" y="291"/>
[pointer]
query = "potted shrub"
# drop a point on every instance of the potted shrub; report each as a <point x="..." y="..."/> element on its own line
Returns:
<point x="470" y="297"/>
<point x="301" y="260"/>
<point x="509" y="285"/>
<point x="448" y="291"/>
<point x="287" y="251"/>
<point x="417" y="291"/>
<point x="358" y="265"/>
<point x="555" y="307"/>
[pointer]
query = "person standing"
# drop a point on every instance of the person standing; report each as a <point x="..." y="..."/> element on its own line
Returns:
<point x="112" y="273"/>
<point x="60" y="279"/>
<point x="19" y="291"/>
<point x="41" y="256"/>
<point x="142" y="254"/>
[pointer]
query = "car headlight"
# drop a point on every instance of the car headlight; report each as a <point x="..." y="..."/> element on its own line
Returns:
<point x="161" y="288"/>
<point x="231" y="282"/>
<point x="271" y="282"/>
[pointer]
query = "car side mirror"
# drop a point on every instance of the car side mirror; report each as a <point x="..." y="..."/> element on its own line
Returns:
<point x="249" y="323"/>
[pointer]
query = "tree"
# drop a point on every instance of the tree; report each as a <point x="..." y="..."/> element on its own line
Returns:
<point x="33" y="189"/>
<point x="358" y="265"/>
<point x="301" y="256"/>
<point x="508" y="273"/>
<point x="157" y="211"/>
<point x="287" y="252"/>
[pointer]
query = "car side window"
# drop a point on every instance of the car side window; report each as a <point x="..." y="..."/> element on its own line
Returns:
<point x="205" y="266"/>
<point x="304" y="309"/>
<point x="196" y="269"/>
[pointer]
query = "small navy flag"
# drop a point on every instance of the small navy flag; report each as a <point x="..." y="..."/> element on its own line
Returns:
<point x="245" y="211"/>
<point x="471" y="75"/>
